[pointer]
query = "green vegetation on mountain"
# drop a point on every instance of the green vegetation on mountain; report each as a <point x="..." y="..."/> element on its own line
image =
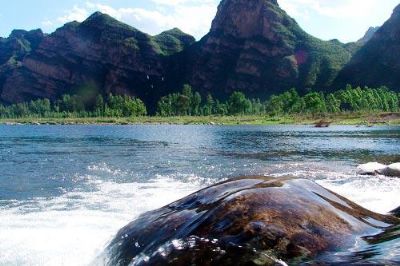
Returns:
<point x="172" y="41"/>
<point x="109" y="29"/>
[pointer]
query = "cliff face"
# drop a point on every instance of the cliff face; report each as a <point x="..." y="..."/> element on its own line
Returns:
<point x="14" y="48"/>
<point x="254" y="46"/>
<point x="377" y="62"/>
<point x="98" y="55"/>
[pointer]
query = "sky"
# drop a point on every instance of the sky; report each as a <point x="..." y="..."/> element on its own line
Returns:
<point x="346" y="20"/>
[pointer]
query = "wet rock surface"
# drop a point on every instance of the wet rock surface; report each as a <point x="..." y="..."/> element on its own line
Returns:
<point x="257" y="221"/>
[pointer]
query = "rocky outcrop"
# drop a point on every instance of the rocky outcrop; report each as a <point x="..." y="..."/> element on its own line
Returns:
<point x="377" y="62"/>
<point x="14" y="48"/>
<point x="99" y="55"/>
<point x="370" y="168"/>
<point x="255" y="221"/>
<point x="255" y="47"/>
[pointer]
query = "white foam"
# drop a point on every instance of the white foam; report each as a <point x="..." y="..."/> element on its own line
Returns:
<point x="74" y="228"/>
<point x="376" y="193"/>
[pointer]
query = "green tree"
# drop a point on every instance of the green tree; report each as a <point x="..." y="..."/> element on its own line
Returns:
<point x="238" y="103"/>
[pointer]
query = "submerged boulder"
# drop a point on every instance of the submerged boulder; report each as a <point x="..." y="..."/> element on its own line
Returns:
<point x="370" y="168"/>
<point x="248" y="221"/>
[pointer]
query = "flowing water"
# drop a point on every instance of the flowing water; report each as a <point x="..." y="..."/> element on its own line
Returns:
<point x="66" y="190"/>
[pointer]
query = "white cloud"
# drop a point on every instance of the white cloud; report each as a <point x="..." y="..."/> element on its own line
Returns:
<point x="346" y="20"/>
<point x="76" y="13"/>
<point x="191" y="16"/>
<point x="328" y="8"/>
<point x="47" y="23"/>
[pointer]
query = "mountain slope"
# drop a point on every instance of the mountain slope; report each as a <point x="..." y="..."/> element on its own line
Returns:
<point x="99" y="55"/>
<point x="377" y="62"/>
<point x="254" y="46"/>
<point x="14" y="48"/>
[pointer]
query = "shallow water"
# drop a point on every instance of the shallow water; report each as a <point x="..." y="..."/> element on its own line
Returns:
<point x="66" y="190"/>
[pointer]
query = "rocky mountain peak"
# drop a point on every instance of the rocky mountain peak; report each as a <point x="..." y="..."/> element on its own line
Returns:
<point x="244" y="18"/>
<point x="101" y="21"/>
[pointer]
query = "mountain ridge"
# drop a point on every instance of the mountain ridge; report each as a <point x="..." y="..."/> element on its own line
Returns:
<point x="252" y="46"/>
<point x="256" y="47"/>
<point x="376" y="63"/>
<point x="99" y="54"/>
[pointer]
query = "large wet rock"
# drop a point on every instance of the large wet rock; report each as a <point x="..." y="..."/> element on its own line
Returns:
<point x="252" y="221"/>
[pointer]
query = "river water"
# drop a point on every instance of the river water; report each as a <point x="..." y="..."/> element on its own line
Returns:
<point x="66" y="190"/>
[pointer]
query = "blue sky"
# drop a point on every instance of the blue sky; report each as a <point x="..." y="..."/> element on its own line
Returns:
<point x="346" y="20"/>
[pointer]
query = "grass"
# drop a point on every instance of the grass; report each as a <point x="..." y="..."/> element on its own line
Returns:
<point x="337" y="119"/>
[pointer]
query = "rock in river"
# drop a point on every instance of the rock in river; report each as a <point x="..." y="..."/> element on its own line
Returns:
<point x="391" y="170"/>
<point x="254" y="221"/>
<point x="370" y="168"/>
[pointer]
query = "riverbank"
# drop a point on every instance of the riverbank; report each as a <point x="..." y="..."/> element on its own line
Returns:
<point x="337" y="119"/>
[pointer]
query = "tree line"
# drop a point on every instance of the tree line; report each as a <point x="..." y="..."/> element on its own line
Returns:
<point x="191" y="103"/>
<point x="290" y="102"/>
<point x="71" y="106"/>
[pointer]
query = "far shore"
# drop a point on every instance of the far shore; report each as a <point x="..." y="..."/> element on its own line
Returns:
<point x="336" y="119"/>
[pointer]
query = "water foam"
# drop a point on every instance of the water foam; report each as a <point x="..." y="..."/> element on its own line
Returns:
<point x="74" y="228"/>
<point x="376" y="193"/>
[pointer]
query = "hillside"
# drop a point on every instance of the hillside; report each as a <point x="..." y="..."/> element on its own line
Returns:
<point x="252" y="46"/>
<point x="99" y="55"/>
<point x="377" y="63"/>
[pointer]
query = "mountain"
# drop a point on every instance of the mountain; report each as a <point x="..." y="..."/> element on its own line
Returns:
<point x="377" y="63"/>
<point x="368" y="35"/>
<point x="252" y="46"/>
<point x="99" y="55"/>
<point x="255" y="47"/>
<point x="14" y="48"/>
<point x="353" y="47"/>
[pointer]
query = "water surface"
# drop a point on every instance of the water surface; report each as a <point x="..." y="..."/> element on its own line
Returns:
<point x="66" y="190"/>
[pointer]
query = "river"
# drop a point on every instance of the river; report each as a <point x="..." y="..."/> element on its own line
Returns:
<point x="66" y="190"/>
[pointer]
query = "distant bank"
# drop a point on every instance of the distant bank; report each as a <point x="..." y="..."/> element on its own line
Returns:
<point x="362" y="119"/>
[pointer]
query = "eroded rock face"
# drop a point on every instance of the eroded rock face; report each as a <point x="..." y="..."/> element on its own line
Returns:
<point x="255" y="47"/>
<point x="99" y="55"/>
<point x="248" y="221"/>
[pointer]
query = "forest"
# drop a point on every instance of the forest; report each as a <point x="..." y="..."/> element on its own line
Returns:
<point x="189" y="102"/>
